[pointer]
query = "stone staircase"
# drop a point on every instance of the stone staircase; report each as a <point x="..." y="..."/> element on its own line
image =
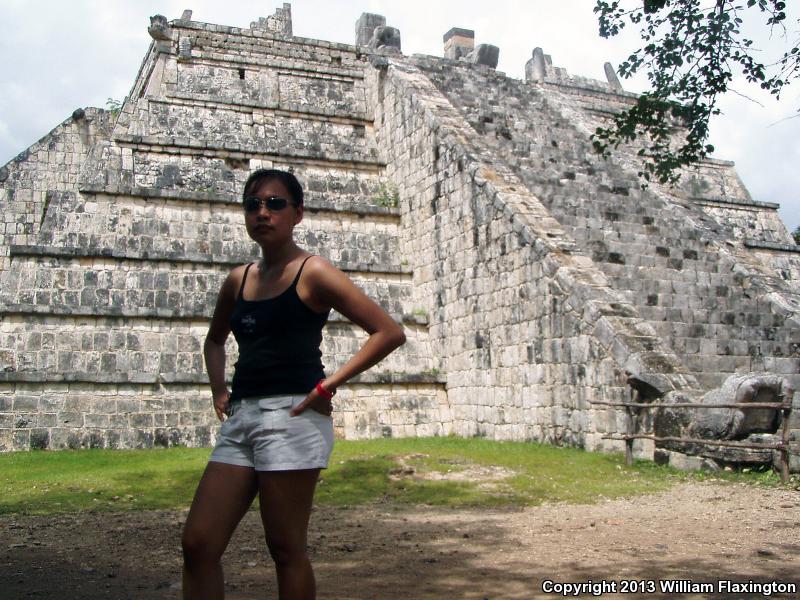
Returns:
<point x="676" y="264"/>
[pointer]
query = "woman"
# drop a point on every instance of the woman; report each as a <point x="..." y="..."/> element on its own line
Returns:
<point x="279" y="433"/>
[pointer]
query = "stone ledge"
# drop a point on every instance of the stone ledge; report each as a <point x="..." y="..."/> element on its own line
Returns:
<point x="261" y="34"/>
<point x="736" y="202"/>
<point x="150" y="313"/>
<point x="225" y="150"/>
<point x="274" y="106"/>
<point x="203" y="56"/>
<point x="311" y="203"/>
<point x="379" y="378"/>
<point x="621" y="96"/>
<point x="756" y="244"/>
<point x="191" y="258"/>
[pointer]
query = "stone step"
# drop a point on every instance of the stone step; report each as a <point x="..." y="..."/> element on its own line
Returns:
<point x="272" y="85"/>
<point x="260" y="131"/>
<point x="108" y="349"/>
<point x="158" y="413"/>
<point x="220" y="180"/>
<point x="64" y="284"/>
<point x="173" y="230"/>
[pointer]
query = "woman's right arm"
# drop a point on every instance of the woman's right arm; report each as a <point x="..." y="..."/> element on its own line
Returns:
<point x="214" y="346"/>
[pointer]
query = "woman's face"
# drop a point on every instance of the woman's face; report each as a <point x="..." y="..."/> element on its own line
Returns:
<point x="267" y="226"/>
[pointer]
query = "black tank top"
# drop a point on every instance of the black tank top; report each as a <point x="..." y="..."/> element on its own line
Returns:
<point x="279" y="341"/>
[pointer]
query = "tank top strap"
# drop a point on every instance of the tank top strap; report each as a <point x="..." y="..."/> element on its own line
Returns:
<point x="300" y="270"/>
<point x="244" y="278"/>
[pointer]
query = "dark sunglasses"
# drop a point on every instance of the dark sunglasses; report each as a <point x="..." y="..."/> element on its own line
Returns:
<point x="273" y="203"/>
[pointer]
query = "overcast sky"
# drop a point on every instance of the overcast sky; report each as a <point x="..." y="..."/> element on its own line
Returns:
<point x="59" y="55"/>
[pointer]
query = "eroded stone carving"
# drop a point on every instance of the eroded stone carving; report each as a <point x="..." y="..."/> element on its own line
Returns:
<point x="387" y="38"/>
<point x="753" y="425"/>
<point x="159" y="28"/>
<point x="734" y="423"/>
<point x="185" y="48"/>
<point x="485" y="54"/>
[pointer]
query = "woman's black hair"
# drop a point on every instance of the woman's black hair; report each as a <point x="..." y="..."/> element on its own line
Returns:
<point x="287" y="179"/>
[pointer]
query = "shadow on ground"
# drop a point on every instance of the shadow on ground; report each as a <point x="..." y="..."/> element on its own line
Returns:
<point x="373" y="552"/>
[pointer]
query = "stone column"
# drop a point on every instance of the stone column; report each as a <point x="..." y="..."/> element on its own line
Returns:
<point x="535" y="68"/>
<point x="613" y="80"/>
<point x="458" y="42"/>
<point x="366" y="25"/>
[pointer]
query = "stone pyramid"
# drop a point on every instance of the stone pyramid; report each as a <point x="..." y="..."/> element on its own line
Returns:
<point x="538" y="284"/>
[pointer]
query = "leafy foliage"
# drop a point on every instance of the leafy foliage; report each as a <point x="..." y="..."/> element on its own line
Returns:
<point x="113" y="106"/>
<point x="387" y="196"/>
<point x="796" y="235"/>
<point x="691" y="51"/>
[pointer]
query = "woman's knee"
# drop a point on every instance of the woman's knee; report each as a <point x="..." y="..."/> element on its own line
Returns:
<point x="199" y="546"/>
<point x="286" y="553"/>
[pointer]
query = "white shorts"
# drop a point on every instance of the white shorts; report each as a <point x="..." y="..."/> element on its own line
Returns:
<point x="259" y="433"/>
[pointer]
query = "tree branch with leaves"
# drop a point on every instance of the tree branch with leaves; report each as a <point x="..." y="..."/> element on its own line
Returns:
<point x="692" y="51"/>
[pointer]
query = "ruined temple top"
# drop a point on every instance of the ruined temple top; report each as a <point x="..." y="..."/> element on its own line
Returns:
<point x="372" y="32"/>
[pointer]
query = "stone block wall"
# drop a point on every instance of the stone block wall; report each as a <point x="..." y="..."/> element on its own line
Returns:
<point x="50" y="165"/>
<point x="110" y="298"/>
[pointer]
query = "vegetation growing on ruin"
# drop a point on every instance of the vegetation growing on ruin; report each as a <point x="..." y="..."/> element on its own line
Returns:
<point x="387" y="195"/>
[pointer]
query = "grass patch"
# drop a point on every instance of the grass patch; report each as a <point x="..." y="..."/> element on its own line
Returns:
<point x="75" y="480"/>
<point x="447" y="471"/>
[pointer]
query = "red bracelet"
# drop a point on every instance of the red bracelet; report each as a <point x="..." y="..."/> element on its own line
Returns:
<point x="323" y="392"/>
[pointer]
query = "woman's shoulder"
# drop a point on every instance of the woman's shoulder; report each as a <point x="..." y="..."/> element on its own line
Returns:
<point x="238" y="273"/>
<point x="235" y="277"/>
<point x="316" y="266"/>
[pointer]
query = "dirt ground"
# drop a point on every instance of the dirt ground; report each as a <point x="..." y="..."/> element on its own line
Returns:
<point x="697" y="531"/>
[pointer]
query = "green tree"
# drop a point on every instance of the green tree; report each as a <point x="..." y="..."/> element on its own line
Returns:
<point x="692" y="50"/>
<point x="796" y="235"/>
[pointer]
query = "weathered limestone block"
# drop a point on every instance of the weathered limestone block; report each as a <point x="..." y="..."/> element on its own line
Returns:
<point x="458" y="42"/>
<point x="485" y="54"/>
<point x="280" y="23"/>
<point x="333" y="95"/>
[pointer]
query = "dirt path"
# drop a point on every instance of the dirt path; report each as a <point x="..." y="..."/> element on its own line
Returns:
<point x="701" y="532"/>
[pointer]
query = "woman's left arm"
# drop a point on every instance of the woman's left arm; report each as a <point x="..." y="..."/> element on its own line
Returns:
<point x="331" y="288"/>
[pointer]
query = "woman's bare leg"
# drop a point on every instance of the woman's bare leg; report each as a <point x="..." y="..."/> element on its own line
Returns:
<point x="285" y="498"/>
<point x="222" y="498"/>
